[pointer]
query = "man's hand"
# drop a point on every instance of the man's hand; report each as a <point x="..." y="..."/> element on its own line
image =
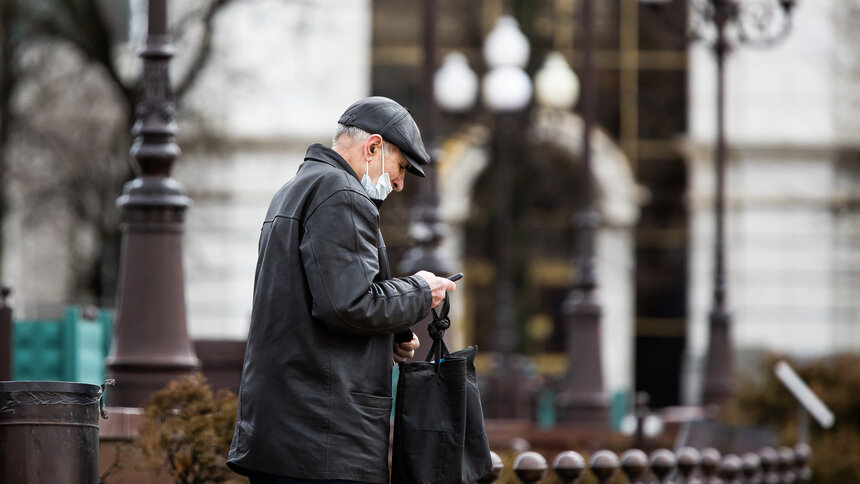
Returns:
<point x="403" y="351"/>
<point x="438" y="286"/>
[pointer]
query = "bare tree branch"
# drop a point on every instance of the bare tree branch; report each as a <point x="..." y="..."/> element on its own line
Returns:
<point x="70" y="144"/>
<point x="8" y="83"/>
<point x="203" y="53"/>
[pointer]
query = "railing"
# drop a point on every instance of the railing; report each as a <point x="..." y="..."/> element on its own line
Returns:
<point x="769" y="465"/>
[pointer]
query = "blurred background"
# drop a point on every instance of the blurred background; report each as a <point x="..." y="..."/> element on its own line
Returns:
<point x="512" y="203"/>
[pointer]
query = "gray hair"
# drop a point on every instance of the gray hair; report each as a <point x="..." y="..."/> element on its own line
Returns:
<point x="354" y="135"/>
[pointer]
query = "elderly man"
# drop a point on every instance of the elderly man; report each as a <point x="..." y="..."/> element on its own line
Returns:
<point x="315" y="396"/>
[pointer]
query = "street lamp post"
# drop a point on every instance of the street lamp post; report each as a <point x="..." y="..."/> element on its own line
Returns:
<point x="151" y="344"/>
<point x="582" y="399"/>
<point x="507" y="91"/>
<point x="758" y="23"/>
<point x="719" y="366"/>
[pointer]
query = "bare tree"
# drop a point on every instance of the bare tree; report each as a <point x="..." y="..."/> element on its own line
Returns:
<point x="66" y="111"/>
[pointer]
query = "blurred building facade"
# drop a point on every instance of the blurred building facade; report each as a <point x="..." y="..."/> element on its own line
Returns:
<point x="792" y="175"/>
<point x="792" y="184"/>
<point x="283" y="72"/>
<point x="642" y="270"/>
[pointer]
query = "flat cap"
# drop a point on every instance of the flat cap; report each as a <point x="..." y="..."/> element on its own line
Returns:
<point x="384" y="116"/>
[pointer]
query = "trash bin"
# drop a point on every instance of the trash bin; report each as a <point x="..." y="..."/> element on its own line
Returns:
<point x="49" y="432"/>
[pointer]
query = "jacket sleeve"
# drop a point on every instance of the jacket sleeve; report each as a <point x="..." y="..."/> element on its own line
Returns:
<point x="341" y="261"/>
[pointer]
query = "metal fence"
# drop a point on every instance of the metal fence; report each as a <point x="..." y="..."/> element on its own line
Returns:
<point x="781" y="465"/>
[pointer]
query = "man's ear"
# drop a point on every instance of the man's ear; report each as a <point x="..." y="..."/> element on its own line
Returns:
<point x="373" y="143"/>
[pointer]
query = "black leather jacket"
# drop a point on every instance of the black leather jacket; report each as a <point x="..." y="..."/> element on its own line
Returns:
<point x="315" y="396"/>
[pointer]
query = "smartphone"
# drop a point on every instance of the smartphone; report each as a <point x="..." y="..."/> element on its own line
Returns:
<point x="456" y="277"/>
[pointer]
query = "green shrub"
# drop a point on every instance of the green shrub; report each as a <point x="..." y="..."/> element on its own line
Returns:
<point x="188" y="428"/>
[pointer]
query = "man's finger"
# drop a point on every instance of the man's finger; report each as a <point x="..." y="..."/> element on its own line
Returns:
<point x="411" y="345"/>
<point x="403" y="356"/>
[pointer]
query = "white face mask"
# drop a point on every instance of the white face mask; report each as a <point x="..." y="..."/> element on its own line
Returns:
<point x="382" y="187"/>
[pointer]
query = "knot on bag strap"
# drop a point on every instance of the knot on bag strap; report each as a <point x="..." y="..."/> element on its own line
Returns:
<point x="440" y="322"/>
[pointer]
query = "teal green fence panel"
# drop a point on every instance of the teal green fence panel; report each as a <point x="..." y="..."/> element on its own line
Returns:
<point x="105" y="319"/>
<point x="620" y="408"/>
<point x="37" y="350"/>
<point x="71" y="349"/>
<point x="84" y="348"/>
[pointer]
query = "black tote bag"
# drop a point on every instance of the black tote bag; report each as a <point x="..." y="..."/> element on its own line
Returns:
<point x="439" y="435"/>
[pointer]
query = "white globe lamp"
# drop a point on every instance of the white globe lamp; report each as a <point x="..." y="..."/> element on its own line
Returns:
<point x="507" y="89"/>
<point x="556" y="85"/>
<point x="506" y="45"/>
<point x="455" y="85"/>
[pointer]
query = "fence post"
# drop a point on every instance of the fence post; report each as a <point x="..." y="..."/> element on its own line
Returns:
<point x="802" y="454"/>
<point x="568" y="466"/>
<point x="785" y="464"/>
<point x="530" y="467"/>
<point x="6" y="334"/>
<point x="751" y="465"/>
<point x="634" y="463"/>
<point x="710" y="464"/>
<point x="769" y="459"/>
<point x="688" y="461"/>
<point x="663" y="462"/>
<point x="604" y="463"/>
<point x="730" y="469"/>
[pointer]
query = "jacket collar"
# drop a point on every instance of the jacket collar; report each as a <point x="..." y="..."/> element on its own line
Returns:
<point x="324" y="154"/>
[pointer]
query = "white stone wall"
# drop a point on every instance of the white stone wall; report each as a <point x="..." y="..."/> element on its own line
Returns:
<point x="615" y="274"/>
<point x="792" y="272"/>
<point x="782" y="95"/>
<point x="282" y="74"/>
<point x="846" y="312"/>
<point x="230" y="197"/>
<point x="36" y="266"/>
<point x="286" y="70"/>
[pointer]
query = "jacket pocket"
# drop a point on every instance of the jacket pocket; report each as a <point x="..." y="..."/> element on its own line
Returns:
<point x="372" y="402"/>
<point x="358" y="443"/>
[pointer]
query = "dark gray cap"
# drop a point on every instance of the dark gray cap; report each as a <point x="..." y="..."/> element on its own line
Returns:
<point x="383" y="116"/>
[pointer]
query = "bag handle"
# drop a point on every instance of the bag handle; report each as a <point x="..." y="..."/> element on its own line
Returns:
<point x="436" y="329"/>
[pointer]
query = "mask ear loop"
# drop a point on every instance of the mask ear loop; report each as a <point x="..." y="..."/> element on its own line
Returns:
<point x="367" y="168"/>
<point x="367" y="165"/>
<point x="383" y="159"/>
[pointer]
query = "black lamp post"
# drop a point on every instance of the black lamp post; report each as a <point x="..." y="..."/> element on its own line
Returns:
<point x="507" y="91"/>
<point x="151" y="344"/>
<point x="758" y="23"/>
<point x="582" y="399"/>
<point x="719" y="368"/>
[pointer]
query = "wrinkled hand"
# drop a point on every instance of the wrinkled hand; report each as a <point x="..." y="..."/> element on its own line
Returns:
<point x="438" y="286"/>
<point x="403" y="351"/>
